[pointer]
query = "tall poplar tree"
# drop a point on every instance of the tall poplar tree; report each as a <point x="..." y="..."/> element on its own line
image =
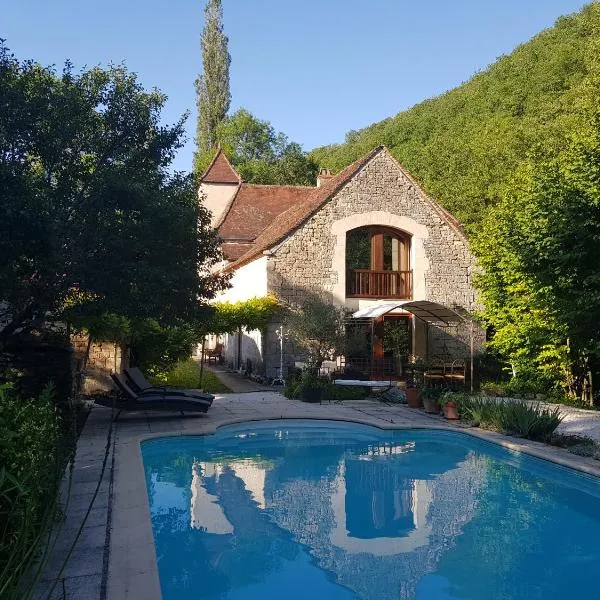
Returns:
<point x="212" y="87"/>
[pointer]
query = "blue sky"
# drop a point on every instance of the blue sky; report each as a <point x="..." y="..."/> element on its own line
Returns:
<point x="314" y="68"/>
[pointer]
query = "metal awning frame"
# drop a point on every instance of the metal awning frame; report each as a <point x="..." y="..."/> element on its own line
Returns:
<point x="429" y="312"/>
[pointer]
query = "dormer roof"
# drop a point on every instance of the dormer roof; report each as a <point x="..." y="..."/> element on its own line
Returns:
<point x="220" y="171"/>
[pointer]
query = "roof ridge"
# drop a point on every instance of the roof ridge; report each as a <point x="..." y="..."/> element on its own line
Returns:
<point x="276" y="185"/>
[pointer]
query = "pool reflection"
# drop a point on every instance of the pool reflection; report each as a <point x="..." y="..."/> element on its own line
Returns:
<point x="313" y="513"/>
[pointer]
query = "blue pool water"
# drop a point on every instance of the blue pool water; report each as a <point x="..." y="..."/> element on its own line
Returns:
<point x="310" y="510"/>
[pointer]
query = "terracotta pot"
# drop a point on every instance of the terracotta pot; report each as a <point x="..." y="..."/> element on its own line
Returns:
<point x="413" y="398"/>
<point x="431" y="406"/>
<point x="451" y="410"/>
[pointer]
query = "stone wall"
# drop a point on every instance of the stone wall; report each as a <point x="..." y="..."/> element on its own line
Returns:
<point x="105" y="358"/>
<point x="311" y="260"/>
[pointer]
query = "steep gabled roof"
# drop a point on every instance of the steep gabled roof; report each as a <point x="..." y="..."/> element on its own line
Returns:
<point x="262" y="216"/>
<point x="292" y="218"/>
<point x="220" y="171"/>
<point x="255" y="207"/>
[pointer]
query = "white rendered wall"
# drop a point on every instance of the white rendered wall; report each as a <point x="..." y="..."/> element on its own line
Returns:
<point x="216" y="197"/>
<point x="249" y="281"/>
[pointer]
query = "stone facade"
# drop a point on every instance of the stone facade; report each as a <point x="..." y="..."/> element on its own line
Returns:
<point x="308" y="261"/>
<point x="307" y="256"/>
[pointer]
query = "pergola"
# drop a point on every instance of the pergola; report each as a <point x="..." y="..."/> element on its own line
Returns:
<point x="425" y="310"/>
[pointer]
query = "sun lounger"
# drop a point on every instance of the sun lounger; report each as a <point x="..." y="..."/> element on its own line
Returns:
<point x="137" y="381"/>
<point x="155" y="401"/>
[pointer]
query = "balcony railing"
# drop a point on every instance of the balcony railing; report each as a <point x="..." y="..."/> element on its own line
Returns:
<point x="364" y="283"/>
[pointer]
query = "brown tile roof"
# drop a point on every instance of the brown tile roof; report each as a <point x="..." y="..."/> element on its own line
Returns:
<point x="233" y="250"/>
<point x="220" y="170"/>
<point x="262" y="216"/>
<point x="255" y="207"/>
<point x="292" y="218"/>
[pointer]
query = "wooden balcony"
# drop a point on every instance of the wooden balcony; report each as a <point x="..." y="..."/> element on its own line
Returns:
<point x="364" y="283"/>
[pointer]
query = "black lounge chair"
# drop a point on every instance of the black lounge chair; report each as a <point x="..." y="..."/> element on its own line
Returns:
<point x="138" y="383"/>
<point x="155" y="401"/>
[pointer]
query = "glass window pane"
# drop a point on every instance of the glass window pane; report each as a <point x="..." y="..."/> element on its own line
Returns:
<point x="358" y="249"/>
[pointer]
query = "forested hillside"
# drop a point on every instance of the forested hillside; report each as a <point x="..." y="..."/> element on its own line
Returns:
<point x="464" y="145"/>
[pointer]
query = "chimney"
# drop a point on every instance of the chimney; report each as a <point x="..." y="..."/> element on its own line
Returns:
<point x="323" y="176"/>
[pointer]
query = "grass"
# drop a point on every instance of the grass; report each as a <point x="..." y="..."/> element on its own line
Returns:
<point x="186" y="374"/>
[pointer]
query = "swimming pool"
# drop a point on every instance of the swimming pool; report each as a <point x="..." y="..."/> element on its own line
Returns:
<point x="308" y="509"/>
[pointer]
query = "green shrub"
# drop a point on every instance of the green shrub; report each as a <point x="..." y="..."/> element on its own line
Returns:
<point x="514" y="417"/>
<point x="577" y="444"/>
<point x="483" y="412"/>
<point x="29" y="477"/>
<point x="157" y="349"/>
<point x="345" y="392"/>
<point x="295" y="382"/>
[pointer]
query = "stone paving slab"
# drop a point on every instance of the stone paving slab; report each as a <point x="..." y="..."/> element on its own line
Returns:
<point x="119" y="529"/>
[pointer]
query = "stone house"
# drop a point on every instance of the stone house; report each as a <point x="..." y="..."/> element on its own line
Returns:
<point x="368" y="239"/>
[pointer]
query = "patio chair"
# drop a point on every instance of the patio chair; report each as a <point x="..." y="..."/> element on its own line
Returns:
<point x="137" y="381"/>
<point x="214" y="354"/>
<point x="435" y="373"/>
<point x="155" y="401"/>
<point x="457" y="372"/>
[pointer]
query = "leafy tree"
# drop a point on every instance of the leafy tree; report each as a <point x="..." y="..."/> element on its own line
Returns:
<point x="260" y="154"/>
<point x="464" y="146"/>
<point x="90" y="216"/>
<point x="539" y="252"/>
<point x="318" y="330"/>
<point x="212" y="87"/>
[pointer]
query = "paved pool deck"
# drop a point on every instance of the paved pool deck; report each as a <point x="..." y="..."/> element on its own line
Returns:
<point x="114" y="557"/>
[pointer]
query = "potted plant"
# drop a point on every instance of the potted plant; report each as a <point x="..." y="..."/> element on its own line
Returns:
<point x="431" y="399"/>
<point x="451" y="402"/>
<point x="413" y="395"/>
<point x="414" y="382"/>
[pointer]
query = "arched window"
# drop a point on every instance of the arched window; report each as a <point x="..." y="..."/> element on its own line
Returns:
<point x="378" y="263"/>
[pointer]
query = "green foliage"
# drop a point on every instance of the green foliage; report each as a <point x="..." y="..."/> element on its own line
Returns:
<point x="90" y="215"/>
<point x="186" y="374"/>
<point x="538" y="249"/>
<point x="514" y="417"/>
<point x="105" y="327"/>
<point x="330" y="392"/>
<point x="260" y="154"/>
<point x="29" y="476"/>
<point x="576" y="444"/>
<point x="433" y="393"/>
<point x="212" y="87"/>
<point x="318" y="330"/>
<point x="465" y="144"/>
<point x="157" y="349"/>
<point x="251" y="314"/>
<point x="396" y="337"/>
<point x="458" y="398"/>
